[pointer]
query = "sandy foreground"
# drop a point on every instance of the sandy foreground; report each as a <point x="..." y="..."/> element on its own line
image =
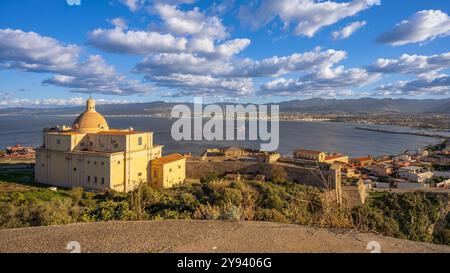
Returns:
<point x="201" y="236"/>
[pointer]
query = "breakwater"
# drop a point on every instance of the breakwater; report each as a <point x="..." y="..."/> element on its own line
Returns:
<point x="423" y="134"/>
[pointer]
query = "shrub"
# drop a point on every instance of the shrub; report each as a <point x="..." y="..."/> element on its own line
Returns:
<point x="409" y="215"/>
<point x="39" y="213"/>
<point x="108" y="211"/>
<point x="278" y="174"/>
<point x="209" y="177"/>
<point x="76" y="194"/>
<point x="272" y="215"/>
<point x="231" y="212"/>
<point x="232" y="196"/>
<point x="207" y="212"/>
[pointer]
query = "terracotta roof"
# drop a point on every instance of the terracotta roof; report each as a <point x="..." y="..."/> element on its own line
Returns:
<point x="303" y="151"/>
<point x="170" y="158"/>
<point x="366" y="158"/>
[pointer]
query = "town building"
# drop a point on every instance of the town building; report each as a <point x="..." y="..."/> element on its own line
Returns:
<point x="336" y="158"/>
<point x="350" y="172"/>
<point x="234" y="151"/>
<point x="168" y="171"/>
<point x="309" y="155"/>
<point x="402" y="157"/>
<point x="91" y="155"/>
<point x="382" y="169"/>
<point x="410" y="185"/>
<point x="362" y="161"/>
<point x="415" y="174"/>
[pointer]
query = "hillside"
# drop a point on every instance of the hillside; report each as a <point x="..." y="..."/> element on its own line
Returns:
<point x="200" y="236"/>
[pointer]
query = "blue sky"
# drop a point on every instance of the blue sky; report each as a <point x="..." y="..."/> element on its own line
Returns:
<point x="59" y="52"/>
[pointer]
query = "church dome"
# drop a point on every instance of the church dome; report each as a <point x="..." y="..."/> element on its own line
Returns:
<point x="90" y="121"/>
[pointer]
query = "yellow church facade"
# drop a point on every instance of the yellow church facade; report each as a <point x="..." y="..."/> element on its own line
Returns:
<point x="93" y="156"/>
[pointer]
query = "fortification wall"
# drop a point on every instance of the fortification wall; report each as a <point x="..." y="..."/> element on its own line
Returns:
<point x="308" y="176"/>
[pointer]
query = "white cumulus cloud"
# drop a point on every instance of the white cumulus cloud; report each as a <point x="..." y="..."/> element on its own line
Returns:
<point x="348" y="30"/>
<point x="29" y="51"/>
<point x="412" y="64"/>
<point x="323" y="82"/>
<point x="422" y="26"/>
<point x="118" y="40"/>
<point x="192" y="22"/>
<point x="308" y="16"/>
<point x="73" y="2"/>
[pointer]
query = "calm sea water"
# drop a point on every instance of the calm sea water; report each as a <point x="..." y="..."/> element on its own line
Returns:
<point x="326" y="136"/>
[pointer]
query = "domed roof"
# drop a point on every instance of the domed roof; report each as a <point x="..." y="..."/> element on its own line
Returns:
<point x="90" y="121"/>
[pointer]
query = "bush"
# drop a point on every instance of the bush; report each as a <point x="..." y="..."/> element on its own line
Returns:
<point x="271" y="215"/>
<point x="209" y="177"/>
<point x="442" y="234"/>
<point x="76" y="194"/>
<point x="406" y="215"/>
<point x="108" y="211"/>
<point x="54" y="212"/>
<point x="231" y="212"/>
<point x="207" y="212"/>
<point x="278" y="174"/>
<point x="232" y="196"/>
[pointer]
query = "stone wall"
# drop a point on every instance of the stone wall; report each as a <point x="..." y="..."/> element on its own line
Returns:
<point x="303" y="175"/>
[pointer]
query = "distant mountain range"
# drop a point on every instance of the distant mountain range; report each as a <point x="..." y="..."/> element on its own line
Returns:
<point x="313" y="106"/>
<point x="368" y="105"/>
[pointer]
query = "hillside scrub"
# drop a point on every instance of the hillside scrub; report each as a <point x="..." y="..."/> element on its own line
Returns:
<point x="410" y="215"/>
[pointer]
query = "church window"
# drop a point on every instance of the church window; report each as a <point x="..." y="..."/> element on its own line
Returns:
<point x="140" y="141"/>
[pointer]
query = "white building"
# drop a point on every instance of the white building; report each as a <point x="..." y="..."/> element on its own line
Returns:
<point x="411" y="185"/>
<point x="403" y="157"/>
<point x="415" y="174"/>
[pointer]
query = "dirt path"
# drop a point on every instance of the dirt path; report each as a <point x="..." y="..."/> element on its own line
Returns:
<point x="200" y="236"/>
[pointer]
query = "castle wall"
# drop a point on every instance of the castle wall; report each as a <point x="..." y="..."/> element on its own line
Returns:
<point x="308" y="176"/>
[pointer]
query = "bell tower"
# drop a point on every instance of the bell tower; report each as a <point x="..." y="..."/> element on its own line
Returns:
<point x="90" y="105"/>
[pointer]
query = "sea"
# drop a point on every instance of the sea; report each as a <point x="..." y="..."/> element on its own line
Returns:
<point x="324" y="136"/>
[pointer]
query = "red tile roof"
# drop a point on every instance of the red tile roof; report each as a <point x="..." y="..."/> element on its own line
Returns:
<point x="170" y="158"/>
<point x="366" y="158"/>
<point x="334" y="156"/>
<point x="303" y="151"/>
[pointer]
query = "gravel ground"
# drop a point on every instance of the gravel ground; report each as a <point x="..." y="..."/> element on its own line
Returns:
<point x="200" y="236"/>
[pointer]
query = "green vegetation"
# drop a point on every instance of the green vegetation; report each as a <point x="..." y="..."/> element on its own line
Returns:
<point x="442" y="234"/>
<point x="410" y="215"/>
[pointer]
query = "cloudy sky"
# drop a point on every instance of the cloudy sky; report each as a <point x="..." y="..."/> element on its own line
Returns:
<point x="59" y="52"/>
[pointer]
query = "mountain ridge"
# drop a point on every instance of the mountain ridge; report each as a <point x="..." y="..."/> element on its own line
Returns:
<point x="313" y="106"/>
